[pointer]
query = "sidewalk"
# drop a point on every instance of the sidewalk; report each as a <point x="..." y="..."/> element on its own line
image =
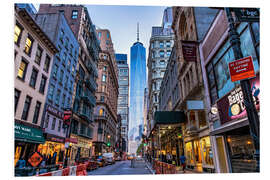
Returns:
<point x="178" y="169"/>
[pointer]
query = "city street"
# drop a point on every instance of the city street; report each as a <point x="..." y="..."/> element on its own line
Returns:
<point x="121" y="168"/>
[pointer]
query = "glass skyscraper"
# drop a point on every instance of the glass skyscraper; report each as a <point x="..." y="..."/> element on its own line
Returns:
<point x="137" y="85"/>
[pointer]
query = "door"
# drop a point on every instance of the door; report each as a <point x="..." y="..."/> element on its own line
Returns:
<point x="221" y="155"/>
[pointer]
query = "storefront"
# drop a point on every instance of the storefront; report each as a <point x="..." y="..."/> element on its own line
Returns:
<point x="82" y="149"/>
<point x="27" y="140"/>
<point x="234" y="142"/>
<point x="53" y="149"/>
<point x="199" y="154"/>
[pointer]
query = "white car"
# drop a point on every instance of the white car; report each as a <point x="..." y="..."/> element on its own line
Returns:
<point x="109" y="158"/>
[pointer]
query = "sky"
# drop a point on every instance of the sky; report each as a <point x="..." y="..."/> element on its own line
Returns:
<point x="122" y="21"/>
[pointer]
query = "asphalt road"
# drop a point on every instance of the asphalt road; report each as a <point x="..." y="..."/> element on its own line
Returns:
<point x="122" y="168"/>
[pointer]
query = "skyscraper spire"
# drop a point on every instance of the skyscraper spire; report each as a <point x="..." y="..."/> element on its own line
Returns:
<point x="137" y="31"/>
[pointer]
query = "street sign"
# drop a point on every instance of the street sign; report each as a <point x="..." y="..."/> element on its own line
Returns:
<point x="247" y="14"/>
<point x="242" y="69"/>
<point x="35" y="159"/>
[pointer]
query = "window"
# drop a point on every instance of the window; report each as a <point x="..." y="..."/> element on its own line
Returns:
<point x="73" y="70"/>
<point x="57" y="97"/>
<point x="108" y="35"/>
<point x="101" y="112"/>
<point x="153" y="54"/>
<point x="36" y="113"/>
<point x="99" y="35"/>
<point x="168" y="53"/>
<point x="28" y="45"/>
<point x="103" y="88"/>
<point x="105" y="68"/>
<point x="38" y="55"/>
<point x="47" y="63"/>
<point x="51" y="91"/>
<point x="162" y="62"/>
<point x="26" y="107"/>
<point x="63" y="101"/>
<point x="62" y="36"/>
<point x="22" y="69"/>
<point x="66" y="82"/>
<point x="168" y="44"/>
<point x="33" y="78"/>
<point x="74" y="14"/>
<point x="17" y="97"/>
<point x="61" y="76"/>
<point x="64" y="58"/>
<point x="161" y="44"/>
<point x="161" y="54"/>
<point x="66" y="43"/>
<point x="55" y="69"/>
<point x="42" y="84"/>
<point x="68" y="103"/>
<point x="71" y="49"/>
<point x="17" y="33"/>
<point x="71" y="85"/>
<point x="202" y="119"/>
<point x="59" y="125"/>
<point x="68" y="67"/>
<point x="104" y="77"/>
<point x="107" y="42"/>
<point x="53" y="123"/>
<point x="102" y="98"/>
<point x="47" y="121"/>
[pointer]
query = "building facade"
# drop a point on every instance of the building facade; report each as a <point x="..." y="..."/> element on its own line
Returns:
<point x="123" y="98"/>
<point x="105" y="133"/>
<point x="161" y="43"/>
<point x="232" y="143"/>
<point x="61" y="82"/>
<point x="80" y="134"/>
<point x="32" y="73"/>
<point x="189" y="28"/>
<point x="137" y="86"/>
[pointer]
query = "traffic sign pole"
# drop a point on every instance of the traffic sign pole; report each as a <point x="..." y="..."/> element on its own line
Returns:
<point x="252" y="113"/>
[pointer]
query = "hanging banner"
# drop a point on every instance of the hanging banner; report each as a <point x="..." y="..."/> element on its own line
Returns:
<point x="189" y="49"/>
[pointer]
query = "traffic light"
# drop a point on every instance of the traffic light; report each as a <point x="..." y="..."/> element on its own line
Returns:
<point x="108" y="144"/>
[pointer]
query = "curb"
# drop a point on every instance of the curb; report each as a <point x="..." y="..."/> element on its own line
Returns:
<point x="149" y="168"/>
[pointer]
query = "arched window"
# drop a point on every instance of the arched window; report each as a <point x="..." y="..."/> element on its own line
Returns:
<point x="101" y="112"/>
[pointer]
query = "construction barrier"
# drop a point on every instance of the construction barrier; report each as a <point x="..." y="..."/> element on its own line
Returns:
<point x="46" y="174"/>
<point x="65" y="172"/>
<point x="164" y="168"/>
<point x="72" y="171"/>
<point x="81" y="170"/>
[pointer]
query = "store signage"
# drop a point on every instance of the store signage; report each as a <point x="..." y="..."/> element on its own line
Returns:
<point x="28" y="134"/>
<point x="35" y="159"/>
<point x="67" y="116"/>
<point x="55" y="112"/>
<point x="242" y="69"/>
<point x="247" y="14"/>
<point x="72" y="140"/>
<point x="195" y="105"/>
<point x="232" y="107"/>
<point x="55" y="139"/>
<point x="189" y="49"/>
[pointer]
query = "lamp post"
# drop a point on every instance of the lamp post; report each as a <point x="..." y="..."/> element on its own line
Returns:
<point x="252" y="114"/>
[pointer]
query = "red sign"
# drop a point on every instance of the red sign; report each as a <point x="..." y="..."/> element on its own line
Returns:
<point x="67" y="116"/>
<point x="242" y="69"/>
<point x="189" y="49"/>
<point x="35" y="159"/>
<point x="72" y="140"/>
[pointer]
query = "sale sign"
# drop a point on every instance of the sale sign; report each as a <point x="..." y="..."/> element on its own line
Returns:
<point x="242" y="69"/>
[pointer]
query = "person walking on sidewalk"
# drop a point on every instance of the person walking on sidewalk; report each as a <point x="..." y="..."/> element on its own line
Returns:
<point x="183" y="162"/>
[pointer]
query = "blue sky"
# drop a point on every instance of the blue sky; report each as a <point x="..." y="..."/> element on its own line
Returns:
<point x="122" y="23"/>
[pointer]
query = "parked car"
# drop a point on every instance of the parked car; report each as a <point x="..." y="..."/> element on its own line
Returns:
<point x="109" y="158"/>
<point x="118" y="158"/>
<point x="101" y="161"/>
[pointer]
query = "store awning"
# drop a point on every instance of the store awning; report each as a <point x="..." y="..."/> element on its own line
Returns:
<point x="28" y="134"/>
<point x="169" y="117"/>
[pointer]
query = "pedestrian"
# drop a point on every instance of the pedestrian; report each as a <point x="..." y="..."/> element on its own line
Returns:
<point x="21" y="163"/>
<point x="183" y="162"/>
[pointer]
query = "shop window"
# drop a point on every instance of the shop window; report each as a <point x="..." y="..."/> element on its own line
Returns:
<point x="189" y="153"/>
<point x="207" y="151"/>
<point x="202" y="119"/>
